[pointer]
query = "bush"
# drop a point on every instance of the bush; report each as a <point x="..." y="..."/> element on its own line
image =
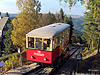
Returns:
<point x="87" y="52"/>
<point x="9" y="64"/>
<point x="7" y="56"/>
<point x="8" y="59"/>
<point x="78" y="43"/>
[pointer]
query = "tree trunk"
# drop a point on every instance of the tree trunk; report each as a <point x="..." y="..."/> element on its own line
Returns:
<point x="99" y="43"/>
<point x="92" y="43"/>
<point x="89" y="44"/>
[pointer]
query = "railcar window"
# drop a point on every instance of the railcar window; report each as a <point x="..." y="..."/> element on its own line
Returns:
<point x="68" y="32"/>
<point x="30" y="42"/>
<point x="39" y="43"/>
<point x="57" y="40"/>
<point x="46" y="44"/>
<point x="65" y="34"/>
<point x="53" y="44"/>
<point x="62" y="37"/>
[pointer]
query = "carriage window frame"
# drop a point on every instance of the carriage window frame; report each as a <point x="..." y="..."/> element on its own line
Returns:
<point x="56" y="41"/>
<point x="48" y="48"/>
<point x="64" y="34"/>
<point x="31" y="42"/>
<point x="38" y="43"/>
<point x="46" y="44"/>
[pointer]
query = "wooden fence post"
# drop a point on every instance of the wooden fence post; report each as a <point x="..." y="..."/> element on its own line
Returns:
<point x="12" y="63"/>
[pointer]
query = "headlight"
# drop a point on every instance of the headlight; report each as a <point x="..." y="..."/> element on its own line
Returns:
<point x="45" y="59"/>
<point x="32" y="57"/>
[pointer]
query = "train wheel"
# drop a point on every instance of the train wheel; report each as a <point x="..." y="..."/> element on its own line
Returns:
<point x="55" y="66"/>
<point x="57" y="63"/>
<point x="38" y="64"/>
<point x="41" y="64"/>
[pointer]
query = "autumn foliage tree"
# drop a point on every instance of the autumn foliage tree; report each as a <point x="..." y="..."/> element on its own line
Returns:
<point x="26" y="20"/>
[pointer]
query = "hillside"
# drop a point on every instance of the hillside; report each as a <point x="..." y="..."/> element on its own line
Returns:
<point x="11" y="15"/>
<point x="77" y="23"/>
<point x="77" y="20"/>
<point x="77" y="32"/>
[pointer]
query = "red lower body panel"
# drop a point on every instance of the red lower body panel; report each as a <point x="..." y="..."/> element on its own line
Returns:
<point x="43" y="56"/>
<point x="39" y="56"/>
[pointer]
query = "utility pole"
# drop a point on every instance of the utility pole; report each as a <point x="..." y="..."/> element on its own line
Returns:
<point x="98" y="43"/>
<point x="19" y="51"/>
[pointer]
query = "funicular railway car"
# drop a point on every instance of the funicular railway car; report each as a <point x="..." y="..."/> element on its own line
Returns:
<point x="47" y="45"/>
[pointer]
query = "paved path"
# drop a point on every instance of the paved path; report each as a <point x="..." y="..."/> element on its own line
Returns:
<point x="21" y="70"/>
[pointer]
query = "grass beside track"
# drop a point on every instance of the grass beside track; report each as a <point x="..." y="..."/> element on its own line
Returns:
<point x="4" y="58"/>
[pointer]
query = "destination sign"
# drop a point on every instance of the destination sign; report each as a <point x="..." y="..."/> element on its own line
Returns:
<point x="38" y="53"/>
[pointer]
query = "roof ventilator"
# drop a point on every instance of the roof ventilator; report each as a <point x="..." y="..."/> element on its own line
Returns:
<point x="59" y="24"/>
<point x="52" y="26"/>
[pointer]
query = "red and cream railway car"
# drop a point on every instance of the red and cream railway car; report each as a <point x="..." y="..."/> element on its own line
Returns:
<point x="48" y="44"/>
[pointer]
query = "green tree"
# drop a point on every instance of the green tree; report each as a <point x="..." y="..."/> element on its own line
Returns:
<point x="0" y="46"/>
<point x="9" y="47"/>
<point x="65" y="19"/>
<point x="92" y="23"/>
<point x="46" y="19"/>
<point x="92" y="20"/>
<point x="6" y="15"/>
<point x="61" y="15"/>
<point x="57" y="17"/>
<point x="89" y="29"/>
<point x="71" y="28"/>
<point x="50" y="18"/>
<point x="26" y="21"/>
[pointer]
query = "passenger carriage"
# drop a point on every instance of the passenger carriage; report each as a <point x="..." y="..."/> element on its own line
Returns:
<point x="48" y="44"/>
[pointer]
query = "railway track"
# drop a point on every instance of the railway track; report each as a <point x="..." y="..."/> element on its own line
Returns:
<point x="41" y="71"/>
<point x="69" y="66"/>
<point x="51" y="71"/>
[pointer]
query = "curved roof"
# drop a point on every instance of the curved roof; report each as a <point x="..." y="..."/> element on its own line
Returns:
<point x="48" y="31"/>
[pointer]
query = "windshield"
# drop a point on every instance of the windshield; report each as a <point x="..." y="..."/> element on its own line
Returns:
<point x="39" y="43"/>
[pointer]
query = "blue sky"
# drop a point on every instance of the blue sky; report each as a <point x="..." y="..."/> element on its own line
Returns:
<point x="46" y="6"/>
